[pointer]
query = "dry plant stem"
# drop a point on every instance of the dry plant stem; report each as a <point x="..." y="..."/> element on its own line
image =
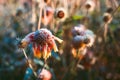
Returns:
<point x="66" y="5"/>
<point x="113" y="15"/>
<point x="106" y="24"/>
<point x="29" y="62"/>
<point x="53" y="5"/>
<point x="45" y="17"/>
<point x="78" y="61"/>
<point x="82" y="4"/>
<point x="33" y="12"/>
<point x="57" y="26"/>
<point x="113" y="3"/>
<point x="42" y="69"/>
<point x="71" y="8"/>
<point x="33" y="7"/>
<point x="115" y="10"/>
<point x="105" y="30"/>
<point x="52" y="25"/>
<point x="40" y="16"/>
<point x="75" y="66"/>
<point x="111" y="33"/>
<point x="87" y="13"/>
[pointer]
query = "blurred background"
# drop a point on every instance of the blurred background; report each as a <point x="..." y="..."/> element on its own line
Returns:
<point x="100" y="62"/>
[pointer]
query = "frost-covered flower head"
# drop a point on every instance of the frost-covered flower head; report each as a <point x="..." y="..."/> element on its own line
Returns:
<point x="78" y="42"/>
<point x="60" y="14"/>
<point x="90" y="5"/>
<point x="90" y="37"/>
<point x="82" y="38"/>
<point x="78" y="30"/>
<point x="85" y="40"/>
<point x="43" y="42"/>
<point x="82" y="35"/>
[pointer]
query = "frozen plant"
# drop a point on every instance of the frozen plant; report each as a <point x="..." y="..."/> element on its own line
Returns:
<point x="43" y="42"/>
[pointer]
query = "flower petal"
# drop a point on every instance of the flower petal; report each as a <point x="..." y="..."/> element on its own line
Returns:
<point x="55" y="47"/>
<point x="58" y="39"/>
<point x="36" y="51"/>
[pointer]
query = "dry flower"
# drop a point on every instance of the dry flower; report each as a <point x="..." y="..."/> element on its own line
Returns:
<point x="90" y="37"/>
<point x="43" y="42"/>
<point x="78" y="30"/>
<point x="82" y="38"/>
<point x="78" y="42"/>
<point x="107" y="17"/>
<point x="90" y="5"/>
<point x="109" y="10"/>
<point x="60" y="14"/>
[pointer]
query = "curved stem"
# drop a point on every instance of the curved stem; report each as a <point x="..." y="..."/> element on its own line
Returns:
<point x="30" y="65"/>
<point x="115" y="10"/>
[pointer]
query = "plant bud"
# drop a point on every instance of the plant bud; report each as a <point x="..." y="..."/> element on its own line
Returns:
<point x="90" y="5"/>
<point x="107" y="18"/>
<point x="60" y="14"/>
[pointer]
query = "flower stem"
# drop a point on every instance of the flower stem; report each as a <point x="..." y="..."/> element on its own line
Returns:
<point x="29" y="62"/>
<point x="40" y="16"/>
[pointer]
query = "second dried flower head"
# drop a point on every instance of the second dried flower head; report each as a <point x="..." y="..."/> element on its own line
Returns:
<point x="82" y="38"/>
